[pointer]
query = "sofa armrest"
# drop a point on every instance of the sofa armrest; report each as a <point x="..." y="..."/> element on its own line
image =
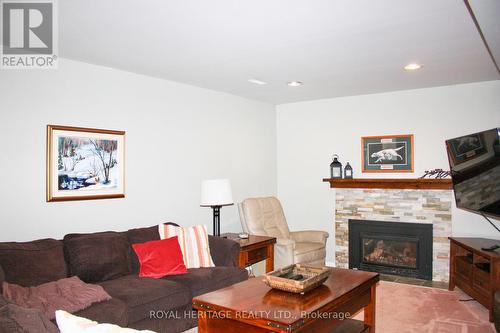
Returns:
<point x="225" y="252"/>
<point x="310" y="236"/>
<point x="18" y="319"/>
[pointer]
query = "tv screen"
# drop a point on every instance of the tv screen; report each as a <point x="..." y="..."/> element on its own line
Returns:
<point x="475" y="171"/>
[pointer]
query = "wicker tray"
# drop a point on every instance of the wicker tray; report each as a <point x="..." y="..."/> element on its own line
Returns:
<point x="312" y="277"/>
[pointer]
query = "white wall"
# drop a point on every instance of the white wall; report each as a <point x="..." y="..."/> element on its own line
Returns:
<point x="309" y="133"/>
<point x="177" y="135"/>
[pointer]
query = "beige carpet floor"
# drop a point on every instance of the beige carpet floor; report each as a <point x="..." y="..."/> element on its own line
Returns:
<point x="403" y="308"/>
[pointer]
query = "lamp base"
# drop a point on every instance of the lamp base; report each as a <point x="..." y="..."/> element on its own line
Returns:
<point x="216" y="227"/>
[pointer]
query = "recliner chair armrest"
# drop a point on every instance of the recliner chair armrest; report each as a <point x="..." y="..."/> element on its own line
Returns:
<point x="316" y="236"/>
<point x="285" y="243"/>
<point x="284" y="252"/>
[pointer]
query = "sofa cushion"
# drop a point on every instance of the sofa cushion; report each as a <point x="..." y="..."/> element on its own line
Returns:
<point x="193" y="242"/>
<point x="206" y="279"/>
<point x="16" y="319"/>
<point x="182" y="320"/>
<point x="99" y="256"/>
<point x="143" y="295"/>
<point x="141" y="235"/>
<point x="33" y="263"/>
<point x="113" y="311"/>
<point x="160" y="258"/>
<point x="69" y="323"/>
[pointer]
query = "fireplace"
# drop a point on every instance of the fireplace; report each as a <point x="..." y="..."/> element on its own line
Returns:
<point x="396" y="248"/>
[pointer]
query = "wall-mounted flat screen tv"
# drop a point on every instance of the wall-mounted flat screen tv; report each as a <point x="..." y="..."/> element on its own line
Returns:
<point x="475" y="171"/>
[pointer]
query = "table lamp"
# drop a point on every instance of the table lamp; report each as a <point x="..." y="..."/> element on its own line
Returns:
<point x="216" y="193"/>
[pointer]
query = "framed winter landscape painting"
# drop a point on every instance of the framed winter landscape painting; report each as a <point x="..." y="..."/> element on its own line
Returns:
<point x="85" y="163"/>
<point x="389" y="153"/>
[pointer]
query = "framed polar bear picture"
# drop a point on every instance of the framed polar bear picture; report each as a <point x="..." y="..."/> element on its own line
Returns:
<point x="388" y="153"/>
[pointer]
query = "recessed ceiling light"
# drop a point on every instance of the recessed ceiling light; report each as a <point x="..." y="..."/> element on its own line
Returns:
<point x="412" y="67"/>
<point x="256" y="81"/>
<point x="295" y="83"/>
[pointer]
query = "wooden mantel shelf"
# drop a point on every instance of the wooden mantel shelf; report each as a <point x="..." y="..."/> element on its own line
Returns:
<point x="384" y="183"/>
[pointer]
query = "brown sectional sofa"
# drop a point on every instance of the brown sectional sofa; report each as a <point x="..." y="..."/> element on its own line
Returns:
<point x="107" y="259"/>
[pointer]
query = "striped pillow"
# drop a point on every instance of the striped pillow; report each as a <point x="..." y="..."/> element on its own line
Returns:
<point x="193" y="242"/>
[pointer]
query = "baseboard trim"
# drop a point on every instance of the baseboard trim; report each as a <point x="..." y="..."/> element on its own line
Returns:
<point x="330" y="263"/>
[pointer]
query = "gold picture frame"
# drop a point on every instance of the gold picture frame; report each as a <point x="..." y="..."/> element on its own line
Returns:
<point x="84" y="163"/>
<point x="388" y="153"/>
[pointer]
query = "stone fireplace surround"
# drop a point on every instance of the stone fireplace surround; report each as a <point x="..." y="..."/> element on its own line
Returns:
<point x="396" y="205"/>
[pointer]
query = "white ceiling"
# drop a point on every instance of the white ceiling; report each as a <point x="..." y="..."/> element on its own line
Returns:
<point x="336" y="47"/>
<point x="487" y="13"/>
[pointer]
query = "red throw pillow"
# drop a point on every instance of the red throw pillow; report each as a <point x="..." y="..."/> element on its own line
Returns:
<point x="160" y="258"/>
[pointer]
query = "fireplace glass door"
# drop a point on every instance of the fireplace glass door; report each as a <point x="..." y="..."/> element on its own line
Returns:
<point x="390" y="251"/>
<point x="396" y="248"/>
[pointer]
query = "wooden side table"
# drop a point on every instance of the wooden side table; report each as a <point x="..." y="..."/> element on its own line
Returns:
<point x="254" y="249"/>
<point x="475" y="271"/>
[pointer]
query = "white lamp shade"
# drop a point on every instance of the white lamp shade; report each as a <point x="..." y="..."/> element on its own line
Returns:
<point x="216" y="192"/>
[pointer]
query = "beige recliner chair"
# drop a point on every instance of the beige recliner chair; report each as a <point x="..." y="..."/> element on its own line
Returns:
<point x="265" y="217"/>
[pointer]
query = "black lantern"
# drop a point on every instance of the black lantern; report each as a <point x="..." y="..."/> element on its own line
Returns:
<point x="348" y="171"/>
<point x="335" y="168"/>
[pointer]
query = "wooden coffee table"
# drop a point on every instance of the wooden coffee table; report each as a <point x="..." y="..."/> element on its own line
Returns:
<point x="251" y="306"/>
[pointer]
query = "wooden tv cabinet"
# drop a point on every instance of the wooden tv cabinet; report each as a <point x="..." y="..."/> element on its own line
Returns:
<point x="475" y="271"/>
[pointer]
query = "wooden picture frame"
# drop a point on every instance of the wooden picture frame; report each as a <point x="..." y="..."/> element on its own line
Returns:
<point x="467" y="147"/>
<point x="84" y="163"/>
<point x="388" y="153"/>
